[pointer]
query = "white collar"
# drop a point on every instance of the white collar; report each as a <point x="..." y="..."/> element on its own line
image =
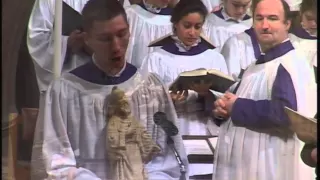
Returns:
<point x="229" y="18"/>
<point x="151" y="7"/>
<point x="181" y="46"/>
<point x="262" y="53"/>
<point x="116" y="75"/>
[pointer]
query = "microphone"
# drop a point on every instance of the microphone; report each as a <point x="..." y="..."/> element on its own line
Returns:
<point x="160" y="119"/>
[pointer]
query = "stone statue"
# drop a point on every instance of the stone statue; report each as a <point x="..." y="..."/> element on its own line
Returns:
<point x="129" y="147"/>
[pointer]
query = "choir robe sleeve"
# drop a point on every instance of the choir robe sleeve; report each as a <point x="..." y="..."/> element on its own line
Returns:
<point x="267" y="113"/>
<point x="40" y="41"/>
<point x="52" y="154"/>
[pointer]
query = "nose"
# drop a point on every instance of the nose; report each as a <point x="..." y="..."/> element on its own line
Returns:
<point x="115" y="46"/>
<point x="241" y="10"/>
<point x="265" y="24"/>
<point x="192" y="32"/>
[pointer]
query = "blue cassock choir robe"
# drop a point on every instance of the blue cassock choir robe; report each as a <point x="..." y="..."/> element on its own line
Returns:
<point x="70" y="133"/>
<point x="172" y="59"/>
<point x="255" y="143"/>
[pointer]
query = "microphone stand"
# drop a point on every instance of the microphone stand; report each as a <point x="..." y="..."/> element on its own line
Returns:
<point x="170" y="142"/>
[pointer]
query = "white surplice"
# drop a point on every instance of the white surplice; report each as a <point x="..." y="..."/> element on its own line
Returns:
<point x="251" y="154"/>
<point x="71" y="128"/>
<point x="294" y="4"/>
<point x="210" y="4"/>
<point x="308" y="47"/>
<point x="168" y="66"/>
<point x="144" y="28"/>
<point x="238" y="52"/>
<point x="218" y="28"/>
<point x="40" y="41"/>
<point x="126" y="3"/>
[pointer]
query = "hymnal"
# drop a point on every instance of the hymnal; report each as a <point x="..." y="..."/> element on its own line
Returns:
<point x="304" y="127"/>
<point x="217" y="80"/>
<point x="71" y="20"/>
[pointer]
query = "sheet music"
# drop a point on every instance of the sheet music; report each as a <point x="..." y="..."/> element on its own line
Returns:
<point x="213" y="141"/>
<point x="200" y="169"/>
<point x="198" y="147"/>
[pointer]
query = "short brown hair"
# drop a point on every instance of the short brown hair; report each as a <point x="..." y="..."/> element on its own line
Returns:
<point x="286" y="8"/>
<point x="307" y="5"/>
<point x="101" y="10"/>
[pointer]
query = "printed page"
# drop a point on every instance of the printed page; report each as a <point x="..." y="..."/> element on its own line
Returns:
<point x="197" y="147"/>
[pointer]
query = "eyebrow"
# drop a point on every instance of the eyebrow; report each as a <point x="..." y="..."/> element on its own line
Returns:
<point x="240" y="3"/>
<point x="104" y="34"/>
<point x="268" y="15"/>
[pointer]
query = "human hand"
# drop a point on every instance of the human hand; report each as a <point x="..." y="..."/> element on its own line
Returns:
<point x="223" y="105"/>
<point x="229" y="99"/>
<point x="219" y="108"/>
<point x="202" y="89"/>
<point x="178" y="96"/>
<point x="76" y="41"/>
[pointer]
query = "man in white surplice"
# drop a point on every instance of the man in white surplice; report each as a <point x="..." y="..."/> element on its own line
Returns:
<point x="148" y="21"/>
<point x="246" y="46"/>
<point x="231" y="19"/>
<point x="70" y="135"/>
<point x="255" y="141"/>
<point x="40" y="41"/>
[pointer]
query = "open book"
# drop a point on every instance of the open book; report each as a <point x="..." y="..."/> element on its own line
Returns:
<point x="304" y="127"/>
<point x="215" y="79"/>
<point x="71" y="19"/>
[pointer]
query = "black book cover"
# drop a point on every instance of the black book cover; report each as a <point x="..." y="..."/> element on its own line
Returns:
<point x="71" y="20"/>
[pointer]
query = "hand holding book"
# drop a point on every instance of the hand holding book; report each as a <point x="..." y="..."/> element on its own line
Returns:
<point x="201" y="88"/>
<point x="179" y="96"/>
<point x="201" y="80"/>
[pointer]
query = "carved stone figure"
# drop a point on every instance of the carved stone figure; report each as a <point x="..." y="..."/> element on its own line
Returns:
<point x="129" y="147"/>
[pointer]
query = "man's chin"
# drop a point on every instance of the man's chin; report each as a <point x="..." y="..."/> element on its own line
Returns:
<point x="119" y="63"/>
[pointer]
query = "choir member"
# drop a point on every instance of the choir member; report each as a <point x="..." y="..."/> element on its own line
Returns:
<point x="255" y="141"/>
<point x="185" y="50"/>
<point x="40" y="41"/>
<point x="231" y="19"/>
<point x="148" y="21"/>
<point x="304" y="37"/>
<point x="70" y="136"/>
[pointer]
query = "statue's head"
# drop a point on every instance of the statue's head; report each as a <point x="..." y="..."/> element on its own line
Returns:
<point x="118" y="103"/>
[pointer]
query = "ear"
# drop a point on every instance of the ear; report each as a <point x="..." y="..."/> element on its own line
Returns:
<point x="175" y="25"/>
<point x="86" y="38"/>
<point x="288" y="24"/>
